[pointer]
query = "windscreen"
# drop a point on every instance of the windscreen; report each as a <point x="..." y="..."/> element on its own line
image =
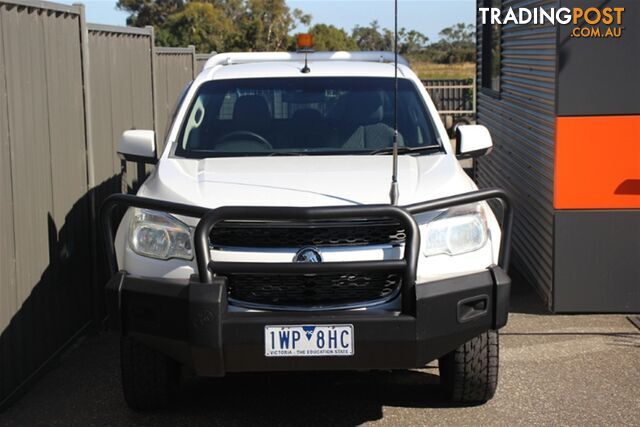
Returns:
<point x="306" y="115"/>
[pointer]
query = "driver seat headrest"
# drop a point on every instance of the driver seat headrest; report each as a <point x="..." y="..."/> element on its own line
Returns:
<point x="251" y="112"/>
<point x="364" y="108"/>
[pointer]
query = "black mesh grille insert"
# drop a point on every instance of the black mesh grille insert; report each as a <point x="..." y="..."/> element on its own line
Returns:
<point x="288" y="235"/>
<point x="311" y="290"/>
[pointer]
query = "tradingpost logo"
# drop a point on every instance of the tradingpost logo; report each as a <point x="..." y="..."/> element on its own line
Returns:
<point x="589" y="22"/>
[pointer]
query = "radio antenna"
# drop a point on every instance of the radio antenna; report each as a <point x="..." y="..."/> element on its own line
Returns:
<point x="394" y="193"/>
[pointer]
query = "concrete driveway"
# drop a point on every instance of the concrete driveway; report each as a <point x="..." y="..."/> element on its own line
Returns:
<point x="556" y="370"/>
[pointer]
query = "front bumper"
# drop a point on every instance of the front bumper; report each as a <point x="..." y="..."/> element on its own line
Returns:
<point x="189" y="321"/>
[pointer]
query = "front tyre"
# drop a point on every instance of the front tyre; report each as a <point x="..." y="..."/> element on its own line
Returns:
<point x="469" y="374"/>
<point x="149" y="378"/>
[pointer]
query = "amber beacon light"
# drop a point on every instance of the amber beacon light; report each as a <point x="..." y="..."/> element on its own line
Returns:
<point x="305" y="45"/>
<point x="305" y="42"/>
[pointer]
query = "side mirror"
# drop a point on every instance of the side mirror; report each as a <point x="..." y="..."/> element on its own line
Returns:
<point x="472" y="141"/>
<point x="138" y="146"/>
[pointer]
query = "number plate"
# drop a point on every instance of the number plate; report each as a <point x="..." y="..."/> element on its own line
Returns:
<point x="308" y="340"/>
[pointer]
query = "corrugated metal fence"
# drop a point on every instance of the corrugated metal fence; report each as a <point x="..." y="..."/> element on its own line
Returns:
<point x="174" y="67"/>
<point x="121" y="93"/>
<point x="201" y="59"/>
<point x="45" y="252"/>
<point x="67" y="91"/>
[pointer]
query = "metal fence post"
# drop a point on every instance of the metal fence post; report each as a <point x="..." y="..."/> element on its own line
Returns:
<point x="475" y="97"/>
<point x="194" y="73"/>
<point x="142" y="168"/>
<point x="91" y="178"/>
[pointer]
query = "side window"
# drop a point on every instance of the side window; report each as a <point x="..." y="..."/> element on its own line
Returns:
<point x="194" y="123"/>
<point x="491" y="50"/>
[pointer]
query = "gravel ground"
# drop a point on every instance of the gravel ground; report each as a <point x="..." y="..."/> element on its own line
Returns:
<point x="555" y="370"/>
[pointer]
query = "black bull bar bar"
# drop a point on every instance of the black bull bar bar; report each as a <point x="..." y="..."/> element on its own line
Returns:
<point x="209" y="218"/>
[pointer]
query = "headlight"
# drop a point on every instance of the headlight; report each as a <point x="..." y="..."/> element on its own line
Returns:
<point x="456" y="231"/>
<point x="159" y="235"/>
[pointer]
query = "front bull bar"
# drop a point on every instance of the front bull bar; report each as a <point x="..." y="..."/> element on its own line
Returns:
<point x="209" y="218"/>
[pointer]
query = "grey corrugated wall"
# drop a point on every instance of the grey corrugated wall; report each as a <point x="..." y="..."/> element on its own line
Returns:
<point x="175" y="67"/>
<point x="45" y="251"/>
<point x="122" y="96"/>
<point x="67" y="92"/>
<point x="522" y="124"/>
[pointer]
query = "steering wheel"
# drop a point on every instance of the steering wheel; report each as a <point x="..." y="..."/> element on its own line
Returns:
<point x="248" y="136"/>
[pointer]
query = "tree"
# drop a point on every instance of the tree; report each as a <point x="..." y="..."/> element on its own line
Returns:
<point x="460" y="34"/>
<point x="457" y="44"/>
<point x="145" y="12"/>
<point x="370" y="38"/>
<point x="375" y="38"/>
<point x="266" y="25"/>
<point x="231" y="25"/>
<point x="411" y="42"/>
<point x="200" y="24"/>
<point x="328" y="37"/>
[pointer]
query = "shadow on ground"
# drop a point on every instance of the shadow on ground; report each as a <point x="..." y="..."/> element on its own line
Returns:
<point x="85" y="390"/>
<point x="308" y="399"/>
<point x="555" y="370"/>
<point x="524" y="299"/>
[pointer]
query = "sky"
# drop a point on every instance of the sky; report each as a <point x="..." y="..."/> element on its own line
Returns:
<point x="426" y="16"/>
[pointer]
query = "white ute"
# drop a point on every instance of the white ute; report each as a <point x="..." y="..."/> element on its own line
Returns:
<point x="265" y="240"/>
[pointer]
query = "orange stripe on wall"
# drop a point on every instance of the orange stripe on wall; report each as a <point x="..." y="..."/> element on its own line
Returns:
<point x="597" y="162"/>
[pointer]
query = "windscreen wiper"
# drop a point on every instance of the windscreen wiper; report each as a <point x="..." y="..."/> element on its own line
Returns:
<point x="407" y="150"/>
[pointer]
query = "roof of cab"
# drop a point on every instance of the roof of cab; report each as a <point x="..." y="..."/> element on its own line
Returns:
<point x="292" y="69"/>
<point x="288" y="64"/>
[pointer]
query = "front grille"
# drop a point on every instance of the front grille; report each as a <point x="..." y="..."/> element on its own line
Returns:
<point x="312" y="290"/>
<point x="320" y="234"/>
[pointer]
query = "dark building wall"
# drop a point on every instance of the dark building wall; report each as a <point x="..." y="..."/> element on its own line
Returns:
<point x="597" y="266"/>
<point x="566" y="127"/>
<point x="597" y="178"/>
<point x="521" y="119"/>
<point x="599" y="76"/>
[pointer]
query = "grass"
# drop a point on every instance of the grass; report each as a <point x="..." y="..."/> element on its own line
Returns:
<point x="428" y="70"/>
